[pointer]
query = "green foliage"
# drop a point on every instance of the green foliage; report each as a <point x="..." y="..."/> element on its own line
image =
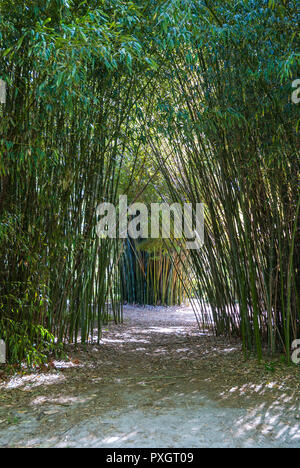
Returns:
<point x="64" y="137"/>
<point x="270" y="367"/>
<point x="24" y="339"/>
<point x="228" y="137"/>
<point x="152" y="274"/>
<point x="188" y="99"/>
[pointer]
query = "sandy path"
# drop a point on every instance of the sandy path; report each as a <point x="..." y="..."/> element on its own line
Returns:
<point x="156" y="381"/>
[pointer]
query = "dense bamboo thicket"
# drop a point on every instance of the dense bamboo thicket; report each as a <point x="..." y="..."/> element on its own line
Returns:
<point x="175" y="100"/>
<point x="232" y="142"/>
<point x="153" y="275"/>
<point x="65" y="133"/>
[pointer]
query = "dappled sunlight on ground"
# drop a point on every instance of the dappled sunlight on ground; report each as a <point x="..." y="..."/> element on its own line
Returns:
<point x="125" y="339"/>
<point x="156" y="381"/>
<point x="33" y="380"/>
<point x="64" y="364"/>
<point x="261" y="390"/>
<point x="270" y="421"/>
<point x="66" y="400"/>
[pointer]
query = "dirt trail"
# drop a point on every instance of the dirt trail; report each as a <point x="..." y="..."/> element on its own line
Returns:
<point x="156" y="381"/>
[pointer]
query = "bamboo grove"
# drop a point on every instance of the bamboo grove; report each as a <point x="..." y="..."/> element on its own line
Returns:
<point x="152" y="274"/>
<point x="234" y="133"/>
<point x="164" y="101"/>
